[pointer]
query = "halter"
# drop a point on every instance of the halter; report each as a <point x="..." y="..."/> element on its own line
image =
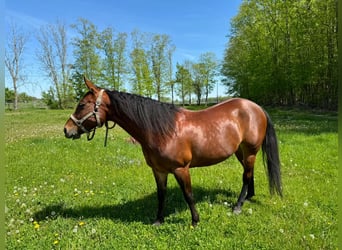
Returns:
<point x="95" y="112"/>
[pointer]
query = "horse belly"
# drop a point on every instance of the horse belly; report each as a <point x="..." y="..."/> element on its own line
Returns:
<point x="210" y="155"/>
<point x="214" y="143"/>
<point x="203" y="162"/>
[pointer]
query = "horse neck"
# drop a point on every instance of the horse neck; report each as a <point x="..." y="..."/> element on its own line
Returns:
<point x="129" y="125"/>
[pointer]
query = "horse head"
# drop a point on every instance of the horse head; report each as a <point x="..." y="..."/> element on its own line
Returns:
<point x="90" y="113"/>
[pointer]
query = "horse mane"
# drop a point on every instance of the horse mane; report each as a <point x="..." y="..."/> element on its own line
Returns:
<point x="149" y="115"/>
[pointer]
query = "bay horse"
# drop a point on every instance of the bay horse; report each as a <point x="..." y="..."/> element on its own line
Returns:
<point x="175" y="139"/>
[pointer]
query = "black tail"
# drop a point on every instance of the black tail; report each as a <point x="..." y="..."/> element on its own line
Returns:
<point x="271" y="158"/>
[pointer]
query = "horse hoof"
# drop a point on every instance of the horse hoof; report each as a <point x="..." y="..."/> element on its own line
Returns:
<point x="157" y="223"/>
<point x="237" y="210"/>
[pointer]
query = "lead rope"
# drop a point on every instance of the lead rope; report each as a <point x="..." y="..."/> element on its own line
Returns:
<point x="107" y="128"/>
<point x="90" y="135"/>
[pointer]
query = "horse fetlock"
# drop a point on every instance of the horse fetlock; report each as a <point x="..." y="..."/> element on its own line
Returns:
<point x="194" y="223"/>
<point x="158" y="222"/>
<point x="237" y="209"/>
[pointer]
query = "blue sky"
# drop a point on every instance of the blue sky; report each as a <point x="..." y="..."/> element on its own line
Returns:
<point x="195" y="27"/>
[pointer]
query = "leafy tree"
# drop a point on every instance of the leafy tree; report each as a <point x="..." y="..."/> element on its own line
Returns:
<point x="209" y="70"/>
<point x="142" y="82"/>
<point x="198" y="73"/>
<point x="160" y="53"/>
<point x="9" y="95"/>
<point x="23" y="97"/>
<point x="77" y="80"/>
<point x="184" y="82"/>
<point x="86" y="53"/>
<point x="115" y="61"/>
<point x="142" y="75"/>
<point x="284" y="52"/>
<point x="50" y="99"/>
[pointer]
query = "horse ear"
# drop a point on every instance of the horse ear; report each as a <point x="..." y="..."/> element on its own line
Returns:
<point x="91" y="86"/>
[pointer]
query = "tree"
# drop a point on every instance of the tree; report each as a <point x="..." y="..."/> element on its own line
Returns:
<point x="22" y="97"/>
<point x="160" y="53"/>
<point x="184" y="82"/>
<point x="141" y="74"/>
<point x="87" y="56"/>
<point x="198" y="73"/>
<point x="115" y="61"/>
<point x="9" y="95"/>
<point x="189" y="86"/>
<point x="52" y="55"/>
<point x="170" y="81"/>
<point x="209" y="63"/>
<point x="284" y="52"/>
<point x="14" y="52"/>
<point x="50" y="99"/>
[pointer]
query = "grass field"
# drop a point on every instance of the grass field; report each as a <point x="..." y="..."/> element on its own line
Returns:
<point x="64" y="194"/>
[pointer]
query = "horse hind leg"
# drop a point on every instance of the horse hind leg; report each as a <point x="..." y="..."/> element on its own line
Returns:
<point x="249" y="171"/>
<point x="247" y="191"/>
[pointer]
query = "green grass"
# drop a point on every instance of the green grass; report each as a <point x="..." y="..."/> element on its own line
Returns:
<point x="64" y="194"/>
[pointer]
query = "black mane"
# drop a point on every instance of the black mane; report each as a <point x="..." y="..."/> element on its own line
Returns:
<point x="149" y="115"/>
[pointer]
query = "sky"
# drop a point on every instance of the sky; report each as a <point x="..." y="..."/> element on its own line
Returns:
<point x="195" y="27"/>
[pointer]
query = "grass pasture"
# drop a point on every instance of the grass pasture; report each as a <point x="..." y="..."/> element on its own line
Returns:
<point x="64" y="194"/>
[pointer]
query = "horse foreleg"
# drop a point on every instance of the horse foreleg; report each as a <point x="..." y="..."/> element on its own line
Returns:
<point x="161" y="181"/>
<point x="183" y="178"/>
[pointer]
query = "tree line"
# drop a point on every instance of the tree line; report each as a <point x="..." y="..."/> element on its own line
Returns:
<point x="284" y="53"/>
<point x="143" y="61"/>
<point x="278" y="53"/>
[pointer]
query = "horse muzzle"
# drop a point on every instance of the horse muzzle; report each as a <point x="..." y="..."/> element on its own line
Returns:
<point x="71" y="136"/>
<point x="71" y="132"/>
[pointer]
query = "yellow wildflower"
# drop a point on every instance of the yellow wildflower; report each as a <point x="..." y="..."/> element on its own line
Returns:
<point x="36" y="225"/>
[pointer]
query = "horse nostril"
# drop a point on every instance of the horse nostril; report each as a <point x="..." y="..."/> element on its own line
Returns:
<point x="65" y="130"/>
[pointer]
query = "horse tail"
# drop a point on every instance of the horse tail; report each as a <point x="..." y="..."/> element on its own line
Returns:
<point x="271" y="158"/>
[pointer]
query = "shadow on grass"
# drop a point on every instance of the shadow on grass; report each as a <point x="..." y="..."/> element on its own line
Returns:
<point x="140" y="210"/>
